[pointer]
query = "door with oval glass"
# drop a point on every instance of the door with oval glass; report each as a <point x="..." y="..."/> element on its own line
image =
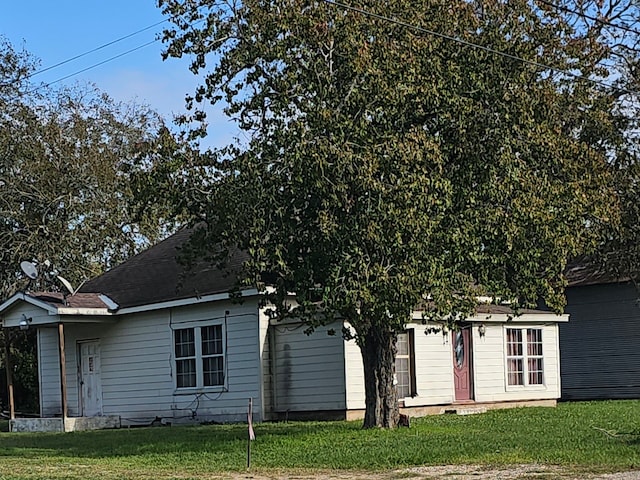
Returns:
<point x="462" y="377"/>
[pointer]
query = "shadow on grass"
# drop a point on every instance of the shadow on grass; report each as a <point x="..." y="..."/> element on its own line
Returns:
<point x="221" y="439"/>
<point x="562" y="436"/>
<point x="123" y="442"/>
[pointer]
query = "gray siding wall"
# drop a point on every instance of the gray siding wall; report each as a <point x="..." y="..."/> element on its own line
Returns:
<point x="38" y="316"/>
<point x="600" y="357"/>
<point x="137" y="366"/>
<point x="243" y="358"/>
<point x="49" y="372"/>
<point x="49" y="366"/>
<point x="309" y="369"/>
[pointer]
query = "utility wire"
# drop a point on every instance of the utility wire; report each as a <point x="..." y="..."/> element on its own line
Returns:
<point x="101" y="62"/>
<point x="93" y="66"/>
<point x="112" y="42"/>
<point x="372" y="15"/>
<point x="589" y="17"/>
<point x="105" y="45"/>
<point x="478" y="47"/>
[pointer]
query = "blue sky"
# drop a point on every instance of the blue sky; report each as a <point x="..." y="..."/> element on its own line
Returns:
<point x="54" y="31"/>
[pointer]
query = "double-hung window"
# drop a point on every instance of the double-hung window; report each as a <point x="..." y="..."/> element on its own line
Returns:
<point x="525" y="365"/>
<point x="405" y="365"/>
<point x="199" y="356"/>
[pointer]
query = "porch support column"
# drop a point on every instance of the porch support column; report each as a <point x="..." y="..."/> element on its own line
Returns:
<point x="63" y="372"/>
<point x="9" y="367"/>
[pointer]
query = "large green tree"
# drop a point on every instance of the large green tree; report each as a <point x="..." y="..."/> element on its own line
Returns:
<point x="405" y="155"/>
<point x="71" y="164"/>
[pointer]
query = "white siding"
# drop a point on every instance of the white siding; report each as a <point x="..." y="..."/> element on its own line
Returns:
<point x="489" y="368"/>
<point x="434" y="368"/>
<point x="433" y="361"/>
<point x="280" y="367"/>
<point x="354" y="375"/>
<point x="309" y="369"/>
<point x="72" y="335"/>
<point x="137" y="366"/>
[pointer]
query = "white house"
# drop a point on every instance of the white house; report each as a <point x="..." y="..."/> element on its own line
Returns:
<point x="150" y="342"/>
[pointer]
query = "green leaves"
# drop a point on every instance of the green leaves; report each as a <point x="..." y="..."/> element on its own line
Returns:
<point x="67" y="161"/>
<point x="387" y="164"/>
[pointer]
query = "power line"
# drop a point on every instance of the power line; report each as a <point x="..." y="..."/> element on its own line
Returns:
<point x="91" y="66"/>
<point x="366" y="13"/>
<point x="38" y="72"/>
<point x="112" y="42"/>
<point x="478" y="47"/>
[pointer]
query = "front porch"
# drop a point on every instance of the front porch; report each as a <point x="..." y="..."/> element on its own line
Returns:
<point x="49" y="314"/>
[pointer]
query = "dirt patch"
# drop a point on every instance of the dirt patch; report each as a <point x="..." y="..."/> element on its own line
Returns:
<point x="447" y="472"/>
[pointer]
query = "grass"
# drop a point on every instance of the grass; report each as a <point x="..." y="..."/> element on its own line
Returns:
<point x="571" y="435"/>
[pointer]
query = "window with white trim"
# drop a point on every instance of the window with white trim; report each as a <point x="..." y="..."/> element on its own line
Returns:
<point x="525" y="365"/>
<point x="199" y="356"/>
<point x="405" y="365"/>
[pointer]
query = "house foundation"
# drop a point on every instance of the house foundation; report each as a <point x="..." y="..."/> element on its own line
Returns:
<point x="459" y="409"/>
<point x="70" y="424"/>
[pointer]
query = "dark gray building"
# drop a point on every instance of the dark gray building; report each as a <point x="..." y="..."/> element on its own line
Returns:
<point x="600" y="345"/>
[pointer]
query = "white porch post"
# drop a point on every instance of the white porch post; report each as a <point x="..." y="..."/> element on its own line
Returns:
<point x="9" y="368"/>
<point x="63" y="372"/>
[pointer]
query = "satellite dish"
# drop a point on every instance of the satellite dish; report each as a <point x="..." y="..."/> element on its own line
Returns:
<point x="66" y="284"/>
<point x="29" y="269"/>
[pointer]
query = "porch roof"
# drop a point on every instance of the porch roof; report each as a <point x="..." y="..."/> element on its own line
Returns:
<point x="57" y="304"/>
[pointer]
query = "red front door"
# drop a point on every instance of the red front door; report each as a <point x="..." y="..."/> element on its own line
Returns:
<point x="461" y="364"/>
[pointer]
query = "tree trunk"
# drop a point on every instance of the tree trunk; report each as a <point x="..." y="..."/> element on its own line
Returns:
<point x="378" y="356"/>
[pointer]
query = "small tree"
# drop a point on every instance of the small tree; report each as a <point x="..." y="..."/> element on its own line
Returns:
<point x="70" y="167"/>
<point x="390" y="169"/>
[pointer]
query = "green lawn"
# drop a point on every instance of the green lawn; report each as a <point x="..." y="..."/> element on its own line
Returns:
<point x="566" y="435"/>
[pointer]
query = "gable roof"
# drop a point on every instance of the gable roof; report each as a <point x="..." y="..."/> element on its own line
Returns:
<point x="156" y="276"/>
<point x="58" y="304"/>
<point x="31" y="299"/>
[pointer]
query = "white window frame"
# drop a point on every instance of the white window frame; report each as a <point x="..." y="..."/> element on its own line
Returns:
<point x="199" y="357"/>
<point x="525" y="359"/>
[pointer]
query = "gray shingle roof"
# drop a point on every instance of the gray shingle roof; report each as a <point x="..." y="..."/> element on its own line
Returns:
<point x="586" y="273"/>
<point x="156" y="275"/>
<point x="79" y="300"/>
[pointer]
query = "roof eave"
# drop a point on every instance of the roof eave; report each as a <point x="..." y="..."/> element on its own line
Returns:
<point x="187" y="301"/>
<point x="85" y="311"/>
<point x="538" y="317"/>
